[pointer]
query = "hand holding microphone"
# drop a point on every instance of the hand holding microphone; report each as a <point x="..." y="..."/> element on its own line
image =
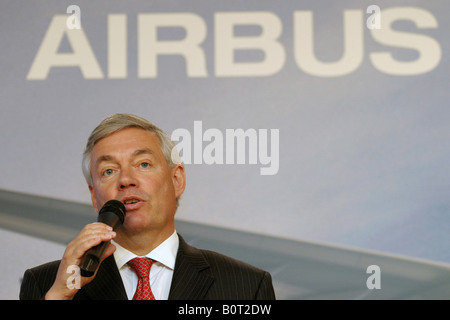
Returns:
<point x="112" y="214"/>
<point x="89" y="247"/>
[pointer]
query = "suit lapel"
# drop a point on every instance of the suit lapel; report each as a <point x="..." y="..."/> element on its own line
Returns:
<point x="107" y="284"/>
<point x="191" y="278"/>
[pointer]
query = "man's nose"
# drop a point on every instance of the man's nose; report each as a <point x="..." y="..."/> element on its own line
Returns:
<point x="127" y="178"/>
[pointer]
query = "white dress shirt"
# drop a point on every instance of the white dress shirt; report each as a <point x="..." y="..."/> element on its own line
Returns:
<point x="161" y="271"/>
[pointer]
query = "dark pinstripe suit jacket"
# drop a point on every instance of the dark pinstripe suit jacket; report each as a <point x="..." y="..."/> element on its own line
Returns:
<point x="198" y="274"/>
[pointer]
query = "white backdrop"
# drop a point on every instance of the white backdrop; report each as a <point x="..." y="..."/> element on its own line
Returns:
<point x="362" y="114"/>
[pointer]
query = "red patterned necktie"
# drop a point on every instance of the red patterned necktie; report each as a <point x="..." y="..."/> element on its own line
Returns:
<point x="142" y="268"/>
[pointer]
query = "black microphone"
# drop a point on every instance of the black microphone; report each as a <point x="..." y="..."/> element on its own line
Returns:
<point x="113" y="214"/>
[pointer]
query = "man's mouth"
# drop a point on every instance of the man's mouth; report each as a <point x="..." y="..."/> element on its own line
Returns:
<point x="130" y="201"/>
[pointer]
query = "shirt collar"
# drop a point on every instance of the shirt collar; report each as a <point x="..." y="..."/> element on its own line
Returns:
<point x="165" y="253"/>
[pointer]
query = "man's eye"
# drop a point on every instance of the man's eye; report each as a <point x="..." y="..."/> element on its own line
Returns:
<point x="145" y="165"/>
<point x="108" y="172"/>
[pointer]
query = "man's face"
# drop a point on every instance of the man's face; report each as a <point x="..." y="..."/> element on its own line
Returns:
<point x="129" y="166"/>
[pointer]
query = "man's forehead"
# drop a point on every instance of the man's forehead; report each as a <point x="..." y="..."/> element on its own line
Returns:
<point x="136" y="153"/>
<point x="132" y="141"/>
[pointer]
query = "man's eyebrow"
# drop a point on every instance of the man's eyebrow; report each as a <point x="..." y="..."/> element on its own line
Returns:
<point x="104" y="158"/>
<point x="143" y="151"/>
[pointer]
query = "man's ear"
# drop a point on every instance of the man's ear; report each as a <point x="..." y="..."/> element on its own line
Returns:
<point x="178" y="179"/>
<point x="93" y="198"/>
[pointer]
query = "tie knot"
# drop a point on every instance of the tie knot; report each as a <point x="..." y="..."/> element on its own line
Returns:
<point x="141" y="266"/>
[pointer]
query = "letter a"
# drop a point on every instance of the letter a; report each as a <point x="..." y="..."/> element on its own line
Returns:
<point x="373" y="21"/>
<point x="74" y="280"/>
<point x="374" y="281"/>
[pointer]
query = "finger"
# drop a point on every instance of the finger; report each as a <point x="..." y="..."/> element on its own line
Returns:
<point x="95" y="228"/>
<point x="89" y="237"/>
<point x="91" y="241"/>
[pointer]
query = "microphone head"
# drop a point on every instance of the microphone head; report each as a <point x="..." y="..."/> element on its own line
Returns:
<point x="116" y="207"/>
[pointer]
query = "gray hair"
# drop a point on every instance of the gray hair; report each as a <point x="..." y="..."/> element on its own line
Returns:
<point x="121" y="121"/>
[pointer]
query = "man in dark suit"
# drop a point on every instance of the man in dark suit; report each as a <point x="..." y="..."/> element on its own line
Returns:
<point x="129" y="159"/>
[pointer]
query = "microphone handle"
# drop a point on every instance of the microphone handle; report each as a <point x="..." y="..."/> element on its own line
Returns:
<point x="92" y="259"/>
